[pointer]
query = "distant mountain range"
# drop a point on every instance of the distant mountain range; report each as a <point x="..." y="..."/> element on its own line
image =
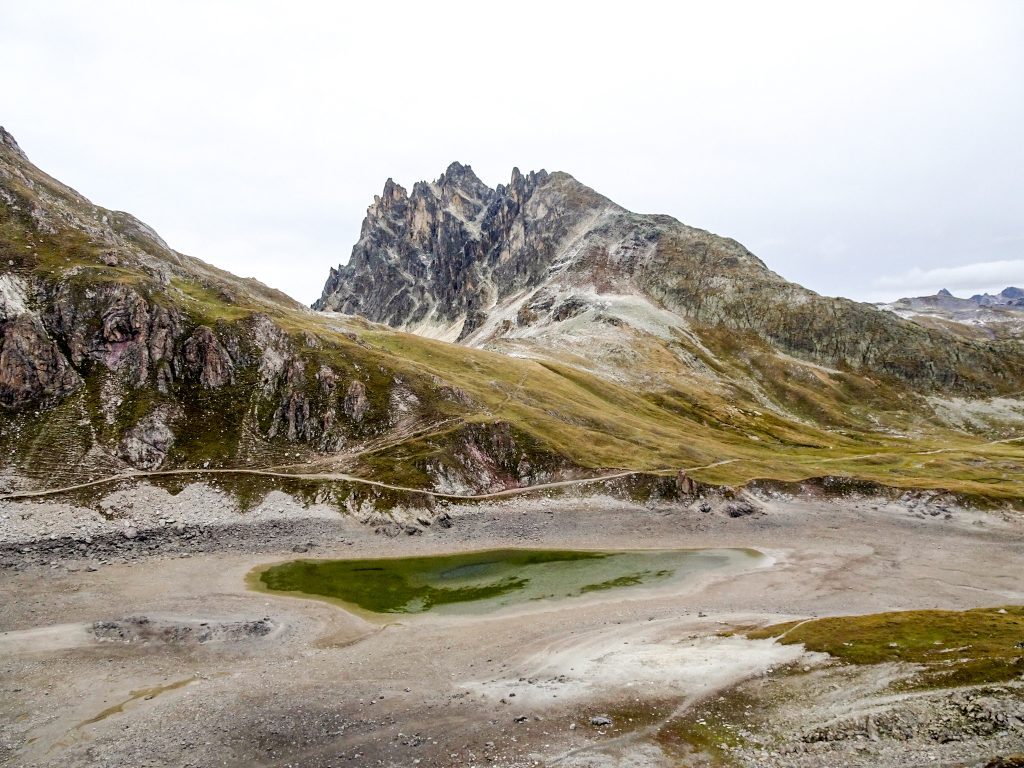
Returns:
<point x="1009" y="296"/>
<point x="981" y="316"/>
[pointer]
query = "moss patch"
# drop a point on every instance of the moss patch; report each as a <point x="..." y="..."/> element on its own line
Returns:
<point x="707" y="734"/>
<point x="954" y="648"/>
<point x="413" y="584"/>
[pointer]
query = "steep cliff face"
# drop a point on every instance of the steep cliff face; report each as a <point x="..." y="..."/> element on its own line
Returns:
<point x="546" y="266"/>
<point x="443" y="256"/>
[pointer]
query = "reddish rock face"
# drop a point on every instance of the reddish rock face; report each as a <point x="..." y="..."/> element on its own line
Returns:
<point x="356" y="402"/>
<point x="32" y="369"/>
<point x="204" y="357"/>
<point x="115" y="326"/>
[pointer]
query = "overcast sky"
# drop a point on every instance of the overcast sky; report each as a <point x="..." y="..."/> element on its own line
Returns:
<point x="871" y="150"/>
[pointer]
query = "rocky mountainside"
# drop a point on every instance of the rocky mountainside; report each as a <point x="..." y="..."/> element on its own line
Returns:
<point x="982" y="316"/>
<point x="120" y="357"/>
<point x="546" y="266"/>
<point x="119" y="353"/>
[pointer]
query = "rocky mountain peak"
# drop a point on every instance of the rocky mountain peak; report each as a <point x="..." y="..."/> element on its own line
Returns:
<point x="461" y="178"/>
<point x="984" y="315"/>
<point x="520" y="187"/>
<point x="1008" y="295"/>
<point x="392" y="193"/>
<point x="393" y="190"/>
<point x="442" y="255"/>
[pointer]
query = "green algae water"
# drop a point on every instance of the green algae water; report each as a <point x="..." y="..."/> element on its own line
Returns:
<point x="476" y="582"/>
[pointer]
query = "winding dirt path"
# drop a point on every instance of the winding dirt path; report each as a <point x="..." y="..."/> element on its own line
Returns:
<point x="932" y="452"/>
<point x="342" y="477"/>
<point x="329" y="476"/>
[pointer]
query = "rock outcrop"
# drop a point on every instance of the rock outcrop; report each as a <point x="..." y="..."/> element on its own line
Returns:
<point x="147" y="444"/>
<point x="356" y="404"/>
<point x="33" y="372"/>
<point x="447" y="252"/>
<point x="205" y="358"/>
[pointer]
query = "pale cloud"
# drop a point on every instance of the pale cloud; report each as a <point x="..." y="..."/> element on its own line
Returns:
<point x="963" y="280"/>
<point x="838" y="141"/>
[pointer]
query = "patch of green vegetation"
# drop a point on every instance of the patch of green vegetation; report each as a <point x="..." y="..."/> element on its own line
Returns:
<point x="38" y="251"/>
<point x="629" y="580"/>
<point x="207" y="306"/>
<point x="711" y="730"/>
<point x="216" y="422"/>
<point x="714" y="739"/>
<point x="410" y="584"/>
<point x="954" y="648"/>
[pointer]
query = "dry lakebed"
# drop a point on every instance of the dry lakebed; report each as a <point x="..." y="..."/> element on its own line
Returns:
<point x="571" y="631"/>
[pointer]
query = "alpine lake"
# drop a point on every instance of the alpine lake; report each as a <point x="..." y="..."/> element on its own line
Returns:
<point x="486" y="581"/>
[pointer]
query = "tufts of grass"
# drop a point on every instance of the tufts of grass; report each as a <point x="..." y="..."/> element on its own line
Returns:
<point x="953" y="648"/>
<point x="712" y="730"/>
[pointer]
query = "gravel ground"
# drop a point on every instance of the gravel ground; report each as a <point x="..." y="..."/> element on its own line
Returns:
<point x="129" y="637"/>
